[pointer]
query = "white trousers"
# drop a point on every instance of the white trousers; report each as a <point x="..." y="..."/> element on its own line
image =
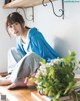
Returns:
<point x="21" y="66"/>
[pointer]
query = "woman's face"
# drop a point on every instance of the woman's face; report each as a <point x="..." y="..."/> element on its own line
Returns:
<point x="15" y="29"/>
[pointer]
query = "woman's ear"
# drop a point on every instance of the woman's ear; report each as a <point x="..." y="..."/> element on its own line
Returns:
<point x="23" y="24"/>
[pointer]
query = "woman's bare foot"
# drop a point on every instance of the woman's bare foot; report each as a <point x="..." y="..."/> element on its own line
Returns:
<point x="13" y="85"/>
<point x="7" y="81"/>
<point x="4" y="81"/>
<point x="18" y="84"/>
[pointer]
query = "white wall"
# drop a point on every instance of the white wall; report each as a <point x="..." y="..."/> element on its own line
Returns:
<point x="62" y="35"/>
<point x="5" y="41"/>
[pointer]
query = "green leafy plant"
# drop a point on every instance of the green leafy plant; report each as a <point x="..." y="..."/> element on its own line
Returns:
<point x="56" y="79"/>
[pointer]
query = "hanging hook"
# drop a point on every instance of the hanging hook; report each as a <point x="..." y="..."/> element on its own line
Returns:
<point x="62" y="10"/>
<point x="44" y="3"/>
<point x="33" y="14"/>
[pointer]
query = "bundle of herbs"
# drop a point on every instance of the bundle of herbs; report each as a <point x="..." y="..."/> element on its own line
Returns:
<point x="56" y="79"/>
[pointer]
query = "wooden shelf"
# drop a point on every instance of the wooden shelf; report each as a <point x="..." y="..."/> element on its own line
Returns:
<point x="24" y="3"/>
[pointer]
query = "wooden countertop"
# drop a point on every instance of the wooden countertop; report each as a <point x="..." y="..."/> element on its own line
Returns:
<point x="19" y="94"/>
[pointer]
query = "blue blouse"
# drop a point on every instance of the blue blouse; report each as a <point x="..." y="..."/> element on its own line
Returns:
<point x="37" y="43"/>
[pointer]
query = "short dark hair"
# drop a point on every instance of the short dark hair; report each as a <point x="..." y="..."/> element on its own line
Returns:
<point x="12" y="18"/>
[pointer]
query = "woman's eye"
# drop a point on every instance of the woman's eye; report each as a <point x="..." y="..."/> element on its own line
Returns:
<point x="16" y="23"/>
<point x="10" y="26"/>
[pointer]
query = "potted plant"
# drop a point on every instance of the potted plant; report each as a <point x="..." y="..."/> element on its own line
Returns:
<point x="56" y="79"/>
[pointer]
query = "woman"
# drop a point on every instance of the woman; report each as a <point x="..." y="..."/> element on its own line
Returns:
<point x="25" y="58"/>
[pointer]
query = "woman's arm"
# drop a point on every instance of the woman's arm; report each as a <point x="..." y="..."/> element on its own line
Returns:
<point x="40" y="46"/>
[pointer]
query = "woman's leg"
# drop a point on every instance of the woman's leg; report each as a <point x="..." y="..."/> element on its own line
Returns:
<point x="13" y="58"/>
<point x="25" y="67"/>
